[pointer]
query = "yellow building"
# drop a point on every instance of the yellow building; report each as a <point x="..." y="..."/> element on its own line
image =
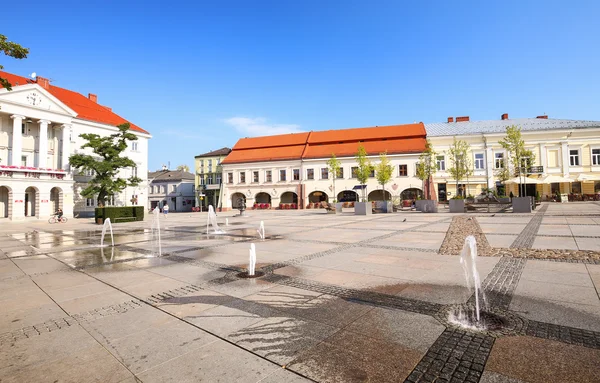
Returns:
<point x="565" y="150"/>
<point x="208" y="182"/>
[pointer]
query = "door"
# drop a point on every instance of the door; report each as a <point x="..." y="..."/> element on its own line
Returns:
<point x="442" y="192"/>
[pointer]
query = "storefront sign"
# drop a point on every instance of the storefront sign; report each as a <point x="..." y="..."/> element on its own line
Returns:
<point x="44" y="201"/>
<point x="18" y="201"/>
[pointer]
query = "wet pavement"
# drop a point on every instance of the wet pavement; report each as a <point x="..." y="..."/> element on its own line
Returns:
<point x="343" y="298"/>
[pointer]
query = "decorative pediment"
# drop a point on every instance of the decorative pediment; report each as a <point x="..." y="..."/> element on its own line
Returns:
<point x="35" y="97"/>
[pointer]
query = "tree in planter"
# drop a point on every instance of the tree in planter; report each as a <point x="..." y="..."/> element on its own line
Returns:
<point x="426" y="167"/>
<point x="14" y="50"/>
<point x="334" y="165"/>
<point x="106" y="163"/>
<point x="383" y="172"/>
<point x="460" y="165"/>
<point x="364" y="169"/>
<point x="521" y="159"/>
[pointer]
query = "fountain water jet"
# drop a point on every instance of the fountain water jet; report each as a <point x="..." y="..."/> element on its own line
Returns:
<point x="226" y="222"/>
<point x="107" y="224"/>
<point x="212" y="220"/>
<point x="252" y="260"/>
<point x="156" y="231"/>
<point x="468" y="258"/>
<point x="261" y="230"/>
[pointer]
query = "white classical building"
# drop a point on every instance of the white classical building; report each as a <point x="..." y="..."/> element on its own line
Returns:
<point x="292" y="168"/>
<point x="171" y="187"/>
<point x="40" y="126"/>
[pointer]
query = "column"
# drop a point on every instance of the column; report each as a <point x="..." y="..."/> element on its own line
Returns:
<point x="543" y="159"/>
<point x="43" y="144"/>
<point x="17" y="140"/>
<point x="64" y="147"/>
<point x="489" y="167"/>
<point x="564" y="151"/>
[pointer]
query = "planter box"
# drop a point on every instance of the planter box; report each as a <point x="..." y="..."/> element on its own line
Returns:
<point x="504" y="200"/>
<point x="384" y="206"/>
<point x="521" y="204"/>
<point x="429" y="206"/>
<point x="457" y="206"/>
<point x="419" y="204"/>
<point x="338" y="207"/>
<point x="363" y="208"/>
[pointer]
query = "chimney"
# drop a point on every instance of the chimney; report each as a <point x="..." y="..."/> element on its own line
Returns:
<point x="93" y="97"/>
<point x="43" y="82"/>
<point x="450" y="119"/>
<point x="462" y="119"/>
<point x="544" y="117"/>
<point x="505" y="116"/>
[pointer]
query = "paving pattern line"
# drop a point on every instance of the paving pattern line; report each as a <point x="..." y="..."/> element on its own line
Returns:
<point x="525" y="239"/>
<point x="456" y="356"/>
<point x="501" y="282"/>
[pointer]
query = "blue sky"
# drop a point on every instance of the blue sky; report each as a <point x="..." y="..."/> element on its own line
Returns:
<point x="199" y="75"/>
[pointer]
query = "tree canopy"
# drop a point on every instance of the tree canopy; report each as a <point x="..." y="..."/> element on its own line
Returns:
<point x="106" y="162"/>
<point x="460" y="164"/>
<point x="334" y="165"/>
<point x="521" y="159"/>
<point x="383" y="171"/>
<point x="184" y="168"/>
<point x="427" y="166"/>
<point x="364" y="169"/>
<point x="14" y="50"/>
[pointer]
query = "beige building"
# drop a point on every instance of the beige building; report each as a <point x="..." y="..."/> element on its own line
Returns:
<point x="563" y="148"/>
<point x="208" y="177"/>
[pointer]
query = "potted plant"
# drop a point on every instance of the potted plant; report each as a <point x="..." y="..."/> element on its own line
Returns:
<point x="457" y="204"/>
<point x="521" y="161"/>
<point x="363" y="172"/>
<point x="383" y="173"/>
<point x="426" y="168"/>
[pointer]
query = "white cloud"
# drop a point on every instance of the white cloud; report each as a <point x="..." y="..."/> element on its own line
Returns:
<point x="253" y="127"/>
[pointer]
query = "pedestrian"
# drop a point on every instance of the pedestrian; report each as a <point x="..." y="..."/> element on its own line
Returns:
<point x="166" y="209"/>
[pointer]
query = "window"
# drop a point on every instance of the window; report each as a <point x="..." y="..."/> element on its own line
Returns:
<point x="242" y="177"/>
<point x="174" y="188"/>
<point x="23" y="160"/>
<point x="574" y="157"/>
<point x="229" y="178"/>
<point x="324" y="173"/>
<point x="209" y="179"/>
<point x="254" y="176"/>
<point x="340" y="173"/>
<point x="110" y="200"/>
<point x="403" y="170"/>
<point x="441" y="162"/>
<point x="479" y="164"/>
<point x="218" y="178"/>
<point x="576" y="187"/>
<point x="499" y="160"/>
<point x="595" y="156"/>
<point x="268" y="177"/>
<point x="209" y="164"/>
<point x="22" y="128"/>
<point x="202" y="181"/>
<point x="201" y="163"/>
<point x="354" y="171"/>
<point x="134" y="171"/>
<point x="310" y="174"/>
<point x="134" y="146"/>
<point x="296" y="174"/>
<point x="282" y="174"/>
<point x="372" y="174"/>
<point x="164" y="189"/>
<point x="90" y="202"/>
<point x="596" y="186"/>
<point x="88" y="172"/>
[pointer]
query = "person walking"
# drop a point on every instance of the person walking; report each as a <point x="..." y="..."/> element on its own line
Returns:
<point x="166" y="209"/>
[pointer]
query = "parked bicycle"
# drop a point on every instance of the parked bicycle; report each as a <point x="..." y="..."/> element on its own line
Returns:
<point x="55" y="219"/>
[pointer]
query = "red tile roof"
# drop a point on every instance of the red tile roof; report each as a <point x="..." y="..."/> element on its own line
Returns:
<point x="85" y="108"/>
<point x="395" y="139"/>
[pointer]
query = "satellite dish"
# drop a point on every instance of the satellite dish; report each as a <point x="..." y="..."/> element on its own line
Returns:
<point x="33" y="75"/>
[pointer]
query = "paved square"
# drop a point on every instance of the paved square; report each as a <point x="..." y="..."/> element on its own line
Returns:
<point x="342" y="299"/>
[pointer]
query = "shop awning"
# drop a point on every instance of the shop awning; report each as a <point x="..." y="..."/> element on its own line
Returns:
<point x="359" y="187"/>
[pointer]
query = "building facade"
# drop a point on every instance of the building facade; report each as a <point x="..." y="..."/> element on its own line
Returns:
<point x="292" y="168"/>
<point x="567" y="149"/>
<point x="40" y="127"/>
<point x="208" y="180"/>
<point x="171" y="187"/>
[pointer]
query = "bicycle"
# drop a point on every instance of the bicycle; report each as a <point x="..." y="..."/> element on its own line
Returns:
<point x="54" y="219"/>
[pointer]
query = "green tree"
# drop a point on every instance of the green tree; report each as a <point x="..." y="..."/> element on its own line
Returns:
<point x="184" y="168"/>
<point x="521" y="159"/>
<point x="106" y="163"/>
<point x="364" y="169"/>
<point x="334" y="165"/>
<point x="383" y="172"/>
<point x="14" y="50"/>
<point x="460" y="165"/>
<point x="427" y="166"/>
